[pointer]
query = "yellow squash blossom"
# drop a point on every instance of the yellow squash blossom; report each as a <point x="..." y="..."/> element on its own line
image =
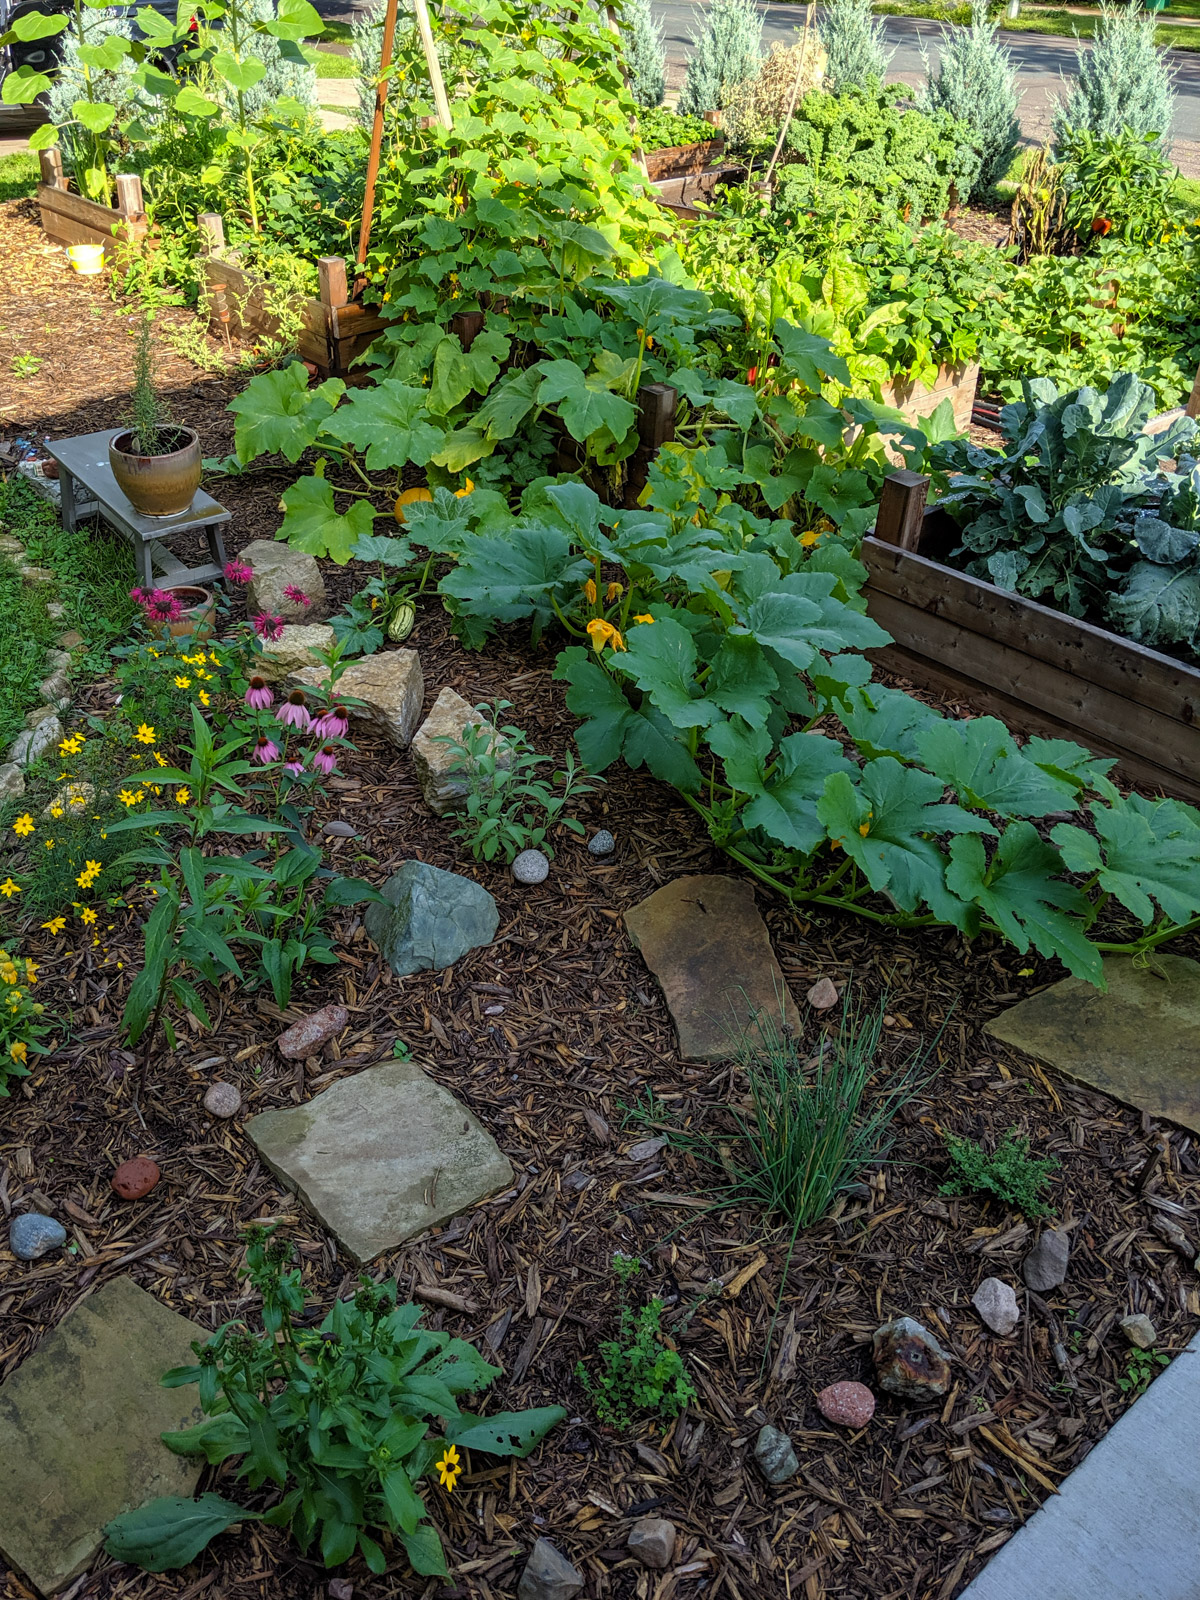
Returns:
<point x="602" y="633"/>
<point x="613" y="592"/>
<point x="589" y="590"/>
<point x="644" y="617"/>
<point x="18" y="1051"/>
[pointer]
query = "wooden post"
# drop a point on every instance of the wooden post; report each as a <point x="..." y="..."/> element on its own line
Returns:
<point x="467" y="325"/>
<point x="51" y="165"/>
<point x="1192" y="409"/>
<point x="331" y="274"/>
<point x="656" y="415"/>
<point x="381" y="89"/>
<point x="713" y="117"/>
<point x="424" y="28"/>
<point x="212" y="233"/>
<point x="901" y="512"/>
<point x="129" y="195"/>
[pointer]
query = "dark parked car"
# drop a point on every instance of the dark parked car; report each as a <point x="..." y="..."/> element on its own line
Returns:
<point x="42" y="55"/>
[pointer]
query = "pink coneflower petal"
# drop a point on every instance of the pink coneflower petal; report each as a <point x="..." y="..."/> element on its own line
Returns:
<point x="265" y="752"/>
<point x="295" y="767"/>
<point x="325" y="759"/>
<point x="332" y="724"/>
<point x="258" y="695"/>
<point x="293" y="713"/>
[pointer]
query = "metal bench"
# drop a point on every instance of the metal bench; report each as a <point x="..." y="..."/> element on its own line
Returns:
<point x="89" y="489"/>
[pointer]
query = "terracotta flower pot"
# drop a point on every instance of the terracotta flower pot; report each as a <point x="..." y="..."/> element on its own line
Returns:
<point x="157" y="486"/>
<point x="199" y="613"/>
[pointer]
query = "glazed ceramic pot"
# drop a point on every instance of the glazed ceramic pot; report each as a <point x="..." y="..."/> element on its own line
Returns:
<point x="158" y="486"/>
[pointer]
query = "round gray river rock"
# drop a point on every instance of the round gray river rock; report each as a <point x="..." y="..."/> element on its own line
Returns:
<point x="602" y="843"/>
<point x="531" y="866"/>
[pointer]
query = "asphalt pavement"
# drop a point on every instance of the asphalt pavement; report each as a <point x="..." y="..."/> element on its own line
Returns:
<point x="1041" y="62"/>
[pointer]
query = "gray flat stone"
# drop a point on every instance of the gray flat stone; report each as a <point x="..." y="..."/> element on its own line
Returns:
<point x="12" y="781"/>
<point x="80" y="1421"/>
<point x="298" y="646"/>
<point x="1137" y="1042"/>
<point x="34" y="743"/>
<point x="1126" y="1524"/>
<point x="381" y="1156"/>
<point x="432" y="918"/>
<point x="707" y="945"/>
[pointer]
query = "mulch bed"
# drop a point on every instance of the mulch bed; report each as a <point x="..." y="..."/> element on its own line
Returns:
<point x="551" y="1035"/>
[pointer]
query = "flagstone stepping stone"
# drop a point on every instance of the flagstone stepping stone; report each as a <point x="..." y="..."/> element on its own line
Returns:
<point x="707" y="945"/>
<point x="431" y="919"/>
<point x="80" y="1421"/>
<point x="277" y="567"/>
<point x="1137" y="1042"/>
<point x="1125" y="1524"/>
<point x="433" y="760"/>
<point x="389" y="685"/>
<point x="381" y="1156"/>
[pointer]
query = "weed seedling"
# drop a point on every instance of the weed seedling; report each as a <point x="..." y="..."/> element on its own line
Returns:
<point x="1141" y="1368"/>
<point x="639" y="1370"/>
<point x="1009" y="1172"/>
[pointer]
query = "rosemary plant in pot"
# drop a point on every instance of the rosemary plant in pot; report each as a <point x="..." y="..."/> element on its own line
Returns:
<point x="156" y="463"/>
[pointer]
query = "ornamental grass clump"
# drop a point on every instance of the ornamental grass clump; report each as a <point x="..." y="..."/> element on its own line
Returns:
<point x="345" y="1424"/>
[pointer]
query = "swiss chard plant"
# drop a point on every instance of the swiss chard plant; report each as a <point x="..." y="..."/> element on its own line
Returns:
<point x="1076" y="511"/>
<point x="337" y="1418"/>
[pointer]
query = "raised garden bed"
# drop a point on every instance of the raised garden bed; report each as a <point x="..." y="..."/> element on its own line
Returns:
<point x="679" y="160"/>
<point x="336" y="328"/>
<point x="69" y="218"/>
<point x="918" y="400"/>
<point x="1045" y="672"/>
<point x="685" y="194"/>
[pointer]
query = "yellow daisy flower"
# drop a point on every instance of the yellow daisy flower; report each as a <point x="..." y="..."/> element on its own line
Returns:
<point x="24" y="825"/>
<point x="8" y="888"/>
<point x="55" y="925"/>
<point x="449" y="1468"/>
<point x="145" y="734"/>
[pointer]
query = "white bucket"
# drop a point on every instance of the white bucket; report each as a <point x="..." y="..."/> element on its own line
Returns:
<point x="87" y="259"/>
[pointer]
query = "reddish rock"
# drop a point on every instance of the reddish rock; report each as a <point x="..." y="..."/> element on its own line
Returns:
<point x="135" y="1178"/>
<point x="851" y="1404"/>
<point x="305" y="1038"/>
<point x="909" y="1360"/>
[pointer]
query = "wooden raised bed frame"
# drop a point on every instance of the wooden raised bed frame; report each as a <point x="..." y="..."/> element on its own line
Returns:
<point x="678" y="160"/>
<point x="71" y="219"/>
<point x="1038" y="670"/>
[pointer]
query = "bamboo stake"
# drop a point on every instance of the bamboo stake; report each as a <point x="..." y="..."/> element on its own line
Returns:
<point x="791" y="106"/>
<point x="435" y="66"/>
<point x="381" y="90"/>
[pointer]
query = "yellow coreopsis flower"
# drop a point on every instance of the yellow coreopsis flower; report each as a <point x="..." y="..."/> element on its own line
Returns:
<point x="30" y="971"/>
<point x="204" y="697"/>
<point x="87" y="915"/>
<point x="49" y="843"/>
<point x="24" y="825"/>
<point x="145" y="734"/>
<point x="182" y="796"/>
<point x="19" y="1051"/>
<point x="55" y="925"/>
<point x="181" y="683"/>
<point x="8" y="888"/>
<point x="128" y="798"/>
<point x="449" y="1468"/>
<point x="160" y="758"/>
<point x="56" y="810"/>
<point x="602" y="633"/>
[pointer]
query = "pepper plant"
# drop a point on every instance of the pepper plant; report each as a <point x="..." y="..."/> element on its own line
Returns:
<point x="337" y="1416"/>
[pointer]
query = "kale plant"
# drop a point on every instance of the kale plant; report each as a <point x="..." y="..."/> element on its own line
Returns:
<point x="1075" y="512"/>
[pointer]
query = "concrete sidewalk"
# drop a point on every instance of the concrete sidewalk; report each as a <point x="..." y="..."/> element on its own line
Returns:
<point x="1126" y="1525"/>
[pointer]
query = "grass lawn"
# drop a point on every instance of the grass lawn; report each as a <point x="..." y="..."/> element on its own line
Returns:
<point x="1048" y="20"/>
<point x="18" y="174"/>
<point x="328" y="64"/>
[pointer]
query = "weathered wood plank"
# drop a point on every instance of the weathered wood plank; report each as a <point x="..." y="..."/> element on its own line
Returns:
<point x="1096" y="657"/>
<point x="71" y="219"/>
<point x="677" y="160"/>
<point x="917" y="400"/>
<point x="1033" y="696"/>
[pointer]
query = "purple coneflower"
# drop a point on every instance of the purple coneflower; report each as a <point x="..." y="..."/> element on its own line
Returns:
<point x="325" y="759"/>
<point x="238" y="572"/>
<point x="332" y="724"/>
<point x="295" y="766"/>
<point x="265" y="752"/>
<point x="293" y="713"/>
<point x="268" y="628"/>
<point x="296" y="596"/>
<point x="258" y="695"/>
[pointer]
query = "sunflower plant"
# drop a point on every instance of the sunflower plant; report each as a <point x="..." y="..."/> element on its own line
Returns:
<point x="21" y="1027"/>
<point x="348" y="1420"/>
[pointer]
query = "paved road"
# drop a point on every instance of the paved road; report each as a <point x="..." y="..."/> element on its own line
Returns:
<point x="1040" y="61"/>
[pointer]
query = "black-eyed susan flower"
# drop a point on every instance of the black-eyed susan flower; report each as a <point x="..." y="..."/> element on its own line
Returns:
<point x="449" y="1468"/>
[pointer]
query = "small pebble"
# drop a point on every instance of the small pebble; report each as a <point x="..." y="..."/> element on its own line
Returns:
<point x="652" y="1541"/>
<point x="822" y="995"/>
<point x="222" y="1100"/>
<point x="996" y="1303"/>
<point x="31" y="1235"/>
<point x="339" y="830"/>
<point x="531" y="866"/>
<point x="135" y="1178"/>
<point x="851" y="1404"/>
<point x="775" y="1454"/>
<point x="1045" y="1267"/>
<point x="602" y="843"/>
<point x="1139" y="1330"/>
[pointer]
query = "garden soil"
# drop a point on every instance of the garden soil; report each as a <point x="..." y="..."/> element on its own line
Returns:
<point x="558" y="1039"/>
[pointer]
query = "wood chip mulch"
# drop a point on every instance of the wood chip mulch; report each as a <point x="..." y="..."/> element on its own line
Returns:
<point x="555" y="1036"/>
